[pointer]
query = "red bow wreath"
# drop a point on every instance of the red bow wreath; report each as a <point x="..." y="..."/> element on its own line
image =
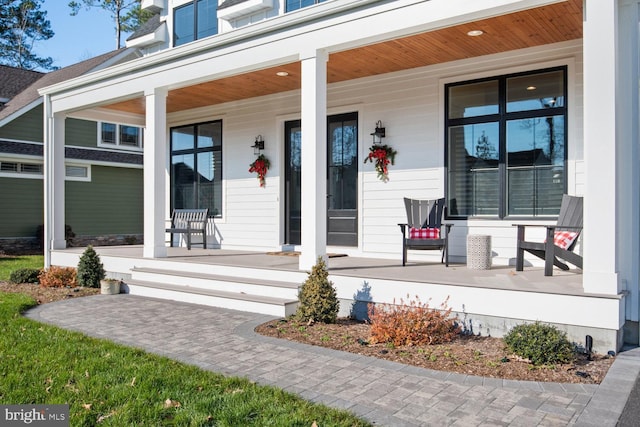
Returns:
<point x="382" y="155"/>
<point x="260" y="166"/>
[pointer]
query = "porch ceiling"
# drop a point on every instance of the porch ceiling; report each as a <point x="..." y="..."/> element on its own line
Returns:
<point x="534" y="27"/>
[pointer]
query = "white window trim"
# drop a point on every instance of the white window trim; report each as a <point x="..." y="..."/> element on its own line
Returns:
<point x="26" y="175"/>
<point x="117" y="145"/>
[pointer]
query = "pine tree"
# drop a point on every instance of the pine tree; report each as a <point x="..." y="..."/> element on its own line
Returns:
<point x="90" y="269"/>
<point x="318" y="297"/>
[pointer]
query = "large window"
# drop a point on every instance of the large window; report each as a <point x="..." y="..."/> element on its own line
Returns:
<point x="196" y="167"/>
<point x="195" y="20"/>
<point x="506" y="145"/>
<point x="299" y="4"/>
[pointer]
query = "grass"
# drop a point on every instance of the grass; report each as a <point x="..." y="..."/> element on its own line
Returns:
<point x="9" y="264"/>
<point x="113" y="385"/>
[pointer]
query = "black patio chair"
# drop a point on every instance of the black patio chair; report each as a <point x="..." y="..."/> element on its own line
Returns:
<point x="560" y="238"/>
<point x="424" y="229"/>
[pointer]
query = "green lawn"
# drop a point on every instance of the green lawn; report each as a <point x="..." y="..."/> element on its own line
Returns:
<point x="112" y="385"/>
<point x="9" y="264"/>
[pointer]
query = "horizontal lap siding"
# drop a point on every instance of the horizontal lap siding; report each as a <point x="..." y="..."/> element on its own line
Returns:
<point x="21" y="207"/>
<point x="112" y="203"/>
<point x="81" y="133"/>
<point x="27" y="127"/>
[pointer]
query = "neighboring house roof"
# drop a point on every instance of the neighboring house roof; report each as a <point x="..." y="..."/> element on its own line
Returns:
<point x="72" y="153"/>
<point x="148" y="27"/>
<point x="14" y="80"/>
<point x="30" y="95"/>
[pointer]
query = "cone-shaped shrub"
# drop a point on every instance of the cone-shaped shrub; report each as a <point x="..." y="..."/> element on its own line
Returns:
<point x="318" y="298"/>
<point x="90" y="269"/>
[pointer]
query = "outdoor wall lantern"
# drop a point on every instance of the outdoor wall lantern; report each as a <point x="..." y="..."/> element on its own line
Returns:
<point x="258" y="145"/>
<point x="379" y="133"/>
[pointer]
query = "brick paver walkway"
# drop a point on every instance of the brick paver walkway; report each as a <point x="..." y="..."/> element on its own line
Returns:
<point x="383" y="392"/>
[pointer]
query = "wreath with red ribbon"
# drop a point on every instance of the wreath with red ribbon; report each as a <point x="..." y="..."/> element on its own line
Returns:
<point x="260" y="166"/>
<point x="382" y="156"/>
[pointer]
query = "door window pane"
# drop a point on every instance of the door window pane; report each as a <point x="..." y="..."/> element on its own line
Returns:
<point x="343" y="164"/>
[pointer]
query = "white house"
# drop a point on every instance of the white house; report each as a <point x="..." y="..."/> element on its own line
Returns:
<point x="545" y="92"/>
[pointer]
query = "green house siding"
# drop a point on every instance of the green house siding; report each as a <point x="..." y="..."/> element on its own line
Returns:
<point x="81" y="133"/>
<point x="27" y="127"/>
<point x="22" y="207"/>
<point x="111" y="203"/>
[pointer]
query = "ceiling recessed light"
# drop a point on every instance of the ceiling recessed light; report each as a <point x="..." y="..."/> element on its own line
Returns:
<point x="531" y="88"/>
<point x="475" y="33"/>
<point x="282" y="74"/>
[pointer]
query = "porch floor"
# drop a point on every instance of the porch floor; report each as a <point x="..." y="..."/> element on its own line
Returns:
<point x="499" y="277"/>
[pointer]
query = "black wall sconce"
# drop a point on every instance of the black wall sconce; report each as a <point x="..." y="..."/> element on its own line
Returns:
<point x="258" y="145"/>
<point x="379" y="133"/>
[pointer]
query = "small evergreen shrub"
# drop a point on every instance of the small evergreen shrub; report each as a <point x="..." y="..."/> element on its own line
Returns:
<point x="90" y="269"/>
<point x="24" y="275"/>
<point x="541" y="344"/>
<point x="58" y="277"/>
<point x="412" y="323"/>
<point x="318" y="297"/>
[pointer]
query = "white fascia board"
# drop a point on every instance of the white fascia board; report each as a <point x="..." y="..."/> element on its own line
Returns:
<point x="244" y="8"/>
<point x="349" y="23"/>
<point x="107" y="115"/>
<point x="11" y="117"/>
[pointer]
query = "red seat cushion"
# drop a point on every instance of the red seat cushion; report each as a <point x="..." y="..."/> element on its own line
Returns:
<point x="424" y="233"/>
<point x="564" y="239"/>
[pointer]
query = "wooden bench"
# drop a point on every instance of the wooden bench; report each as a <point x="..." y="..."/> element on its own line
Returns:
<point x="189" y="221"/>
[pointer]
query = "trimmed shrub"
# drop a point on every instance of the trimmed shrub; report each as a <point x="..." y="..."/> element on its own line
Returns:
<point x="58" y="277"/>
<point x="318" y="297"/>
<point x="541" y="344"/>
<point x="90" y="269"/>
<point x="412" y="323"/>
<point x="24" y="275"/>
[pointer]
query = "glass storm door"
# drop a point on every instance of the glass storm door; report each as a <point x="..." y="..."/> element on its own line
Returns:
<point x="342" y="180"/>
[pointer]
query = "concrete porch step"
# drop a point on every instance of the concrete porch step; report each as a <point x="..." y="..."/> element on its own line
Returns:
<point x="274" y="306"/>
<point x="215" y="282"/>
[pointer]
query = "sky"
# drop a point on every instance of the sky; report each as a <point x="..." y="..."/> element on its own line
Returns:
<point x="90" y="33"/>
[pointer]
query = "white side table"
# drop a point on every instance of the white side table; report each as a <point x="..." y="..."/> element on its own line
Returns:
<point x="478" y="252"/>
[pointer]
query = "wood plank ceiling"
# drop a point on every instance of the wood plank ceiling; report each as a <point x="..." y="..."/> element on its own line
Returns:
<point x="549" y="24"/>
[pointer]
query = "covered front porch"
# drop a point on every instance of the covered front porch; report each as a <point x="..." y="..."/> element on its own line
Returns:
<point x="488" y="302"/>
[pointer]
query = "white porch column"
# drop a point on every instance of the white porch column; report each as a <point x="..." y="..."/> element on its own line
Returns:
<point x="601" y="139"/>
<point x="54" y="181"/>
<point x="155" y="173"/>
<point x="314" y="158"/>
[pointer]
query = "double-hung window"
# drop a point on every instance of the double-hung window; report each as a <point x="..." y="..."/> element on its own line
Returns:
<point x="506" y="145"/>
<point x="292" y="5"/>
<point x="121" y="136"/>
<point x="195" y="20"/>
<point x="196" y="167"/>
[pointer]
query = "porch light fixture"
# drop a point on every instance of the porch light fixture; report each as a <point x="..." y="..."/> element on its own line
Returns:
<point x="475" y="33"/>
<point x="379" y="133"/>
<point x="258" y="145"/>
<point x="282" y="74"/>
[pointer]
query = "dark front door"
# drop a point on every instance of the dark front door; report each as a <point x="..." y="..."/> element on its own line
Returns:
<point x="342" y="180"/>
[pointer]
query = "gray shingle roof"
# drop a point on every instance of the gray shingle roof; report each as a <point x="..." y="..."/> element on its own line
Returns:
<point x="72" y="153"/>
<point x="147" y="28"/>
<point x="14" y="80"/>
<point x="30" y="94"/>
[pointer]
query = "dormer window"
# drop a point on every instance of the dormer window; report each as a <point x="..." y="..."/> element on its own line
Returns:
<point x="195" y="20"/>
